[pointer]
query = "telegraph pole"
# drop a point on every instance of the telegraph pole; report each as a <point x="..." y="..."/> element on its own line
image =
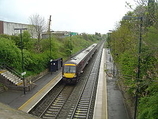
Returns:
<point x="49" y="32"/>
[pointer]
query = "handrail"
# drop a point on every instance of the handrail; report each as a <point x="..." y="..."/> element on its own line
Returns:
<point x="5" y="66"/>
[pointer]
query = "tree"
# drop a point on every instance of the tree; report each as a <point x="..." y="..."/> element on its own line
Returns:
<point x="38" y="24"/>
<point x="68" y="47"/>
<point x="151" y="12"/>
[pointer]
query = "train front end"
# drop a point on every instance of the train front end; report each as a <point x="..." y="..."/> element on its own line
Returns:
<point x="69" y="73"/>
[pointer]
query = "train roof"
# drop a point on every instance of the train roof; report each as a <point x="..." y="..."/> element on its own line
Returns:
<point x="78" y="58"/>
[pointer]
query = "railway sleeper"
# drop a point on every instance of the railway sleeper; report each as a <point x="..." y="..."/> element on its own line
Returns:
<point x="82" y="108"/>
<point x="86" y="98"/>
<point x="80" y="116"/>
<point x="57" y="104"/>
<point x="51" y="112"/>
<point x="83" y="104"/>
<point x="50" y="109"/>
<point x="84" y="101"/>
<point x="46" y="117"/>
<point x="49" y="115"/>
<point x="81" y="111"/>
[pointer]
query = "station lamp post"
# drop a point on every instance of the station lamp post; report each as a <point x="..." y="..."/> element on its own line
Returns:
<point x="22" y="56"/>
<point x="138" y="65"/>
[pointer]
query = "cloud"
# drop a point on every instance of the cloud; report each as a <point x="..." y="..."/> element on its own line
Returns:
<point x="88" y="16"/>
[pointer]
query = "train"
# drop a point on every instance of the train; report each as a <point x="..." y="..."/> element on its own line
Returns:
<point x="73" y="68"/>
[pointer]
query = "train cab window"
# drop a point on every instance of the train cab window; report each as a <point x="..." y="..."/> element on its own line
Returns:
<point x="69" y="69"/>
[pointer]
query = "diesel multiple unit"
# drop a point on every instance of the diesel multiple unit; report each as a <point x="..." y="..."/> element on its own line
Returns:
<point x="74" y="67"/>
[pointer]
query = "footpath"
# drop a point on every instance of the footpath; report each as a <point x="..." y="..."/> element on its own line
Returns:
<point x="116" y="106"/>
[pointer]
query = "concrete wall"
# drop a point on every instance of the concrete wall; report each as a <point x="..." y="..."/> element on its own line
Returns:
<point x="8" y="28"/>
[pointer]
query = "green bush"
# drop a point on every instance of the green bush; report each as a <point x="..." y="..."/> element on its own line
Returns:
<point x="149" y="107"/>
<point x="9" y="53"/>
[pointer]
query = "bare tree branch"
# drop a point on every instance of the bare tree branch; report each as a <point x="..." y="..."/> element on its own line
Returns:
<point x="38" y="23"/>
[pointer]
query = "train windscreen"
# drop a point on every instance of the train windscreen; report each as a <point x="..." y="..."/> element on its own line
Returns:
<point x="69" y="69"/>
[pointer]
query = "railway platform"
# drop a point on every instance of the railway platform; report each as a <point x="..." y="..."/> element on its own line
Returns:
<point x="100" y="108"/>
<point x="17" y="99"/>
<point x="109" y="103"/>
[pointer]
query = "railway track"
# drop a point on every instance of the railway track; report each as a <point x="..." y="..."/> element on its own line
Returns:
<point x="45" y="102"/>
<point x="56" y="105"/>
<point x="84" y="105"/>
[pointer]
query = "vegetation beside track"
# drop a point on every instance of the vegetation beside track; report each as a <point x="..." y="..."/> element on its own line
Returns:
<point x="37" y="54"/>
<point x="123" y="43"/>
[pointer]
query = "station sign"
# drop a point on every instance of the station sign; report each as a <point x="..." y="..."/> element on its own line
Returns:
<point x="24" y="73"/>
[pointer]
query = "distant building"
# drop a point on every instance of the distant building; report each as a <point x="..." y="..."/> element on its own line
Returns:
<point x="8" y="28"/>
<point x="59" y="34"/>
<point x="73" y="33"/>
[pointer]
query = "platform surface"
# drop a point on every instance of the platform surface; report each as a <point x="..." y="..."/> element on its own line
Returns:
<point x="17" y="99"/>
<point x="29" y="104"/>
<point x="100" y="108"/>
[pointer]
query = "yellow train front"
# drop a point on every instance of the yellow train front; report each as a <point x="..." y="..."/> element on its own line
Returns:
<point x="69" y="73"/>
<point x="74" y="67"/>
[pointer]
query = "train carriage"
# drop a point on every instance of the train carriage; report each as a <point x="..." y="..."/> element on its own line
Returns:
<point x="74" y="67"/>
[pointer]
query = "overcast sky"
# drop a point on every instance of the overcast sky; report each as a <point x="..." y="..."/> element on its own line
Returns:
<point x="87" y="16"/>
